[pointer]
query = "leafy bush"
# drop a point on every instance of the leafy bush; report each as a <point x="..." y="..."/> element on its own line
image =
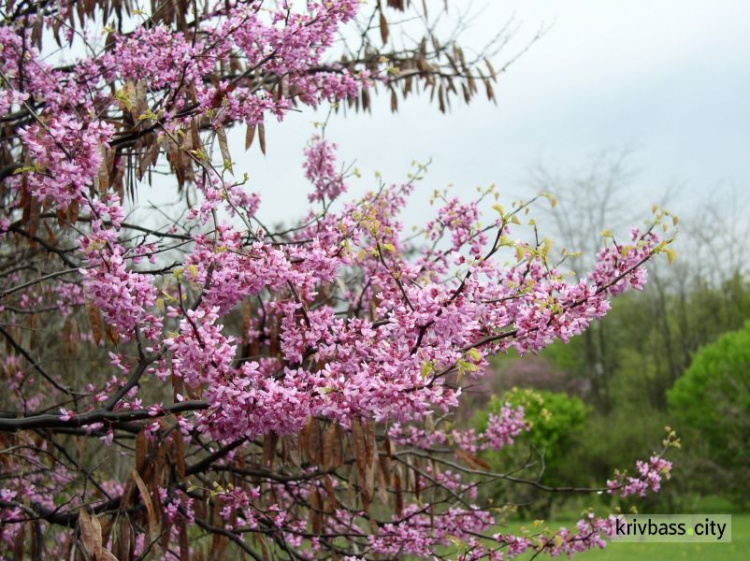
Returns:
<point x="712" y="401"/>
<point x="556" y="421"/>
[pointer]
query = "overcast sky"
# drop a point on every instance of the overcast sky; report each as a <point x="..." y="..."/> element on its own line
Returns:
<point x="670" y="78"/>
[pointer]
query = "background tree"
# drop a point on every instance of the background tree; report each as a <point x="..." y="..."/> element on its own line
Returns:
<point x="591" y="201"/>
<point x="691" y="302"/>
<point x="647" y="342"/>
<point x="712" y="399"/>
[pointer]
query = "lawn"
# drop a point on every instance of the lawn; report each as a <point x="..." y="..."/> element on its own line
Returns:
<point x="735" y="551"/>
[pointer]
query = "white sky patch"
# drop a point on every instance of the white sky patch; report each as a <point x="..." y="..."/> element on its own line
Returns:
<point x="669" y="78"/>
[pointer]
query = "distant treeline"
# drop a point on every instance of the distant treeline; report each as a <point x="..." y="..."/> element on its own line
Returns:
<point x="619" y="376"/>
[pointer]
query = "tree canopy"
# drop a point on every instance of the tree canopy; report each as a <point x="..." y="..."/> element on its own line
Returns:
<point x="205" y="386"/>
<point x="713" y="399"/>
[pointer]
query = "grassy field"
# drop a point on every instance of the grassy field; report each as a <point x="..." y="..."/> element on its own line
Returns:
<point x="738" y="550"/>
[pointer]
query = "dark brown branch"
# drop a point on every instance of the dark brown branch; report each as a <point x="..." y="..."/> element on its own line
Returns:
<point x="118" y="419"/>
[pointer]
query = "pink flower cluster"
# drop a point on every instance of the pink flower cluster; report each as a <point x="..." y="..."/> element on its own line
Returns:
<point x="650" y="478"/>
<point x="411" y="435"/>
<point x="66" y="154"/>
<point x="124" y="297"/>
<point x="320" y="170"/>
<point x="501" y="431"/>
<point x="419" y="533"/>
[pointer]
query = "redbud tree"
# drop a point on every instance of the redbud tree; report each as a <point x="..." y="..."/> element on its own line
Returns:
<point x="208" y="387"/>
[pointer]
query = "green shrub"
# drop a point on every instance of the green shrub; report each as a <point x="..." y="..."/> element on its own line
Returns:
<point x="556" y="422"/>
<point x="711" y="402"/>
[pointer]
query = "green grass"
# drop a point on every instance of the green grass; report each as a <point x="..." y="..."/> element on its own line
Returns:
<point x="737" y="550"/>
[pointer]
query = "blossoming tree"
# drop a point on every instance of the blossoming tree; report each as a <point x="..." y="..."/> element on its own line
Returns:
<point x="216" y="388"/>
